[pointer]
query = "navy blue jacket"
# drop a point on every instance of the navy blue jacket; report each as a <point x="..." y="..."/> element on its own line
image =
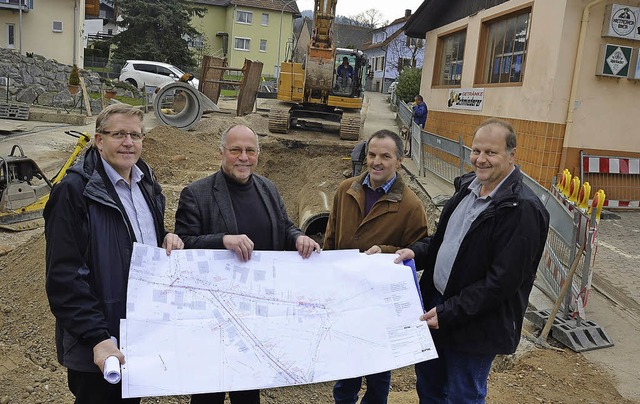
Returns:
<point x="89" y="244"/>
<point x="420" y="114"/>
<point x="493" y="273"/>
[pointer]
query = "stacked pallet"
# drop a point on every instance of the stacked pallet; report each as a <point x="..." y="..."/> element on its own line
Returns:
<point x="14" y="111"/>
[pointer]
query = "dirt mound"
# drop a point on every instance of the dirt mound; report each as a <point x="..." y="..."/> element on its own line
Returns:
<point x="300" y="164"/>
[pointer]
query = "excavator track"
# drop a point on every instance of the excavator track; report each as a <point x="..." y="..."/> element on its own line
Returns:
<point x="350" y="126"/>
<point x="279" y="120"/>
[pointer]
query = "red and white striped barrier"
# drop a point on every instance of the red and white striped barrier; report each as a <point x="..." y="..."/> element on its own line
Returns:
<point x="611" y="165"/>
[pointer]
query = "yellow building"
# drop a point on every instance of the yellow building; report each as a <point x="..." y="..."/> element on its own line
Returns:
<point x="248" y="29"/>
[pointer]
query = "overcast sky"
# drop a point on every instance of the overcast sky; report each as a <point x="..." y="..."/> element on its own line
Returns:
<point x="390" y="9"/>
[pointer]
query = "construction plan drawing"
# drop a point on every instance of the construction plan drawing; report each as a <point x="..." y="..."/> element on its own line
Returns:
<point x="203" y="321"/>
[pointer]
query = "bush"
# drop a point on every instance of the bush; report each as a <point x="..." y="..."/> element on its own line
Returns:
<point x="409" y="84"/>
<point x="74" y="76"/>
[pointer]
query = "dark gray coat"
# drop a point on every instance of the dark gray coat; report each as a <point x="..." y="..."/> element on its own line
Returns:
<point x="205" y="214"/>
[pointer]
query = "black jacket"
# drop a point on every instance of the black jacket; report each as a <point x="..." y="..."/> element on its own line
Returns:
<point x="205" y="214"/>
<point x="89" y="245"/>
<point x="493" y="273"/>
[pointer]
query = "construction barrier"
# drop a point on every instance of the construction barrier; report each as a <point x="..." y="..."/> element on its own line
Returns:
<point x="620" y="176"/>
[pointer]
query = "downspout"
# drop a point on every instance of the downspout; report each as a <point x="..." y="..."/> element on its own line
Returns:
<point x="75" y="32"/>
<point x="20" y="28"/>
<point x="574" y="83"/>
<point x="233" y="38"/>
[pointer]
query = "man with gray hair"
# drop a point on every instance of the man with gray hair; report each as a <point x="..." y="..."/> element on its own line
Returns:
<point x="479" y="267"/>
<point x="237" y="210"/>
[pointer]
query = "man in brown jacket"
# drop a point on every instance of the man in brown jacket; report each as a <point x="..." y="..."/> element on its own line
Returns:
<point x="374" y="212"/>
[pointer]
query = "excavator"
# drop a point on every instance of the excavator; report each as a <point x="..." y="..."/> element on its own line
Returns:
<point x="320" y="89"/>
<point x="25" y="189"/>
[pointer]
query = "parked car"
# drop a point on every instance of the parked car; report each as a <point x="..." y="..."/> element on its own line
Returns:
<point x="139" y="73"/>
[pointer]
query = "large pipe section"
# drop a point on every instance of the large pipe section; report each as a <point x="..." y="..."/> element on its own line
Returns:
<point x="314" y="203"/>
<point x="181" y="105"/>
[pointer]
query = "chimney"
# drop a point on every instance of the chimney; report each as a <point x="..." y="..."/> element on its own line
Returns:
<point x="407" y="13"/>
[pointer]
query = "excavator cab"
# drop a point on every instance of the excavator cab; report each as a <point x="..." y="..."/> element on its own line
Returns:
<point x="349" y="73"/>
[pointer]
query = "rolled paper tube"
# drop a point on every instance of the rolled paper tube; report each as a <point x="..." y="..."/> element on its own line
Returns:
<point x="112" y="370"/>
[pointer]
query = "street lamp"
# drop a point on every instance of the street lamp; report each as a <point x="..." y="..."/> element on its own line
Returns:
<point x="280" y="39"/>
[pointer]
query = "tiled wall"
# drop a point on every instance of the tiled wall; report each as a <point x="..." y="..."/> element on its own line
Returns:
<point x="539" y="143"/>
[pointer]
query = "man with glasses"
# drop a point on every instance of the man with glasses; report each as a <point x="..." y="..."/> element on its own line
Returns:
<point x="108" y="199"/>
<point x="237" y="210"/>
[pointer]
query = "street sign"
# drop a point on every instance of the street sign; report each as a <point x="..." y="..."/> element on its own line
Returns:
<point x="614" y="60"/>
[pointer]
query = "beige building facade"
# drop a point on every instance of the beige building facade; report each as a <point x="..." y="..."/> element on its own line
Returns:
<point x="539" y="65"/>
<point x="51" y="28"/>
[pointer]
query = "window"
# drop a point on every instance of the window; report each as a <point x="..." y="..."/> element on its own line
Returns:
<point x="57" y="26"/>
<point x="414" y="42"/>
<point x="379" y="37"/>
<point x="378" y="63"/>
<point x="243" y="43"/>
<point x="404" y="63"/>
<point x="265" y="19"/>
<point x="263" y="45"/>
<point x="11" y="36"/>
<point x="164" y="71"/>
<point x="244" y="17"/>
<point x="449" y="59"/>
<point x="506" y="41"/>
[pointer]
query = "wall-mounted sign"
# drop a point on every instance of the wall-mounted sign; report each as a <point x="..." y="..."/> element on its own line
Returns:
<point x="470" y="99"/>
<point x="621" y="21"/>
<point x="614" y="60"/>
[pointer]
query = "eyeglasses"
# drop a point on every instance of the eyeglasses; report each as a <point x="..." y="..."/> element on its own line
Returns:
<point x="122" y="134"/>
<point x="236" y="151"/>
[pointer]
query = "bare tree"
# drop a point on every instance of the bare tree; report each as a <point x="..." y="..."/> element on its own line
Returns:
<point x="371" y="18"/>
<point x="402" y="53"/>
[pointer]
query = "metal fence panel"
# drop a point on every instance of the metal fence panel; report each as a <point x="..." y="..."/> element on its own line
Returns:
<point x="405" y="113"/>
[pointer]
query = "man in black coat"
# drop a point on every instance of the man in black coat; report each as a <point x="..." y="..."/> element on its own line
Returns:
<point x="108" y="200"/>
<point x="479" y="268"/>
<point x="240" y="211"/>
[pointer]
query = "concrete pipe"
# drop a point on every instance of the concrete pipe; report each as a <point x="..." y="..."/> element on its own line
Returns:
<point x="314" y="201"/>
<point x="178" y="104"/>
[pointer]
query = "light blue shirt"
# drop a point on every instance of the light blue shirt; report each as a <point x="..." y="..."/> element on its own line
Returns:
<point x="135" y="205"/>
<point x="385" y="187"/>
<point x="459" y="223"/>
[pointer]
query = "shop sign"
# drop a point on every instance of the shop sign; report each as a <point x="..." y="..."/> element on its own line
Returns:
<point x="614" y="60"/>
<point x="469" y="99"/>
<point x="622" y="21"/>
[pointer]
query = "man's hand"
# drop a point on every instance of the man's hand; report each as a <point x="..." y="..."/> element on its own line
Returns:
<point x="172" y="242"/>
<point x="431" y="317"/>
<point x="240" y="244"/>
<point x="103" y="350"/>
<point x="305" y="246"/>
<point x="404" y="254"/>
<point x="373" y="250"/>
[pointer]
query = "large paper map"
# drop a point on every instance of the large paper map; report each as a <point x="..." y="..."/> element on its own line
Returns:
<point x="202" y="321"/>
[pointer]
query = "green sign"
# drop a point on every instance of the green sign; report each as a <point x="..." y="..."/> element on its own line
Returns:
<point x="616" y="60"/>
